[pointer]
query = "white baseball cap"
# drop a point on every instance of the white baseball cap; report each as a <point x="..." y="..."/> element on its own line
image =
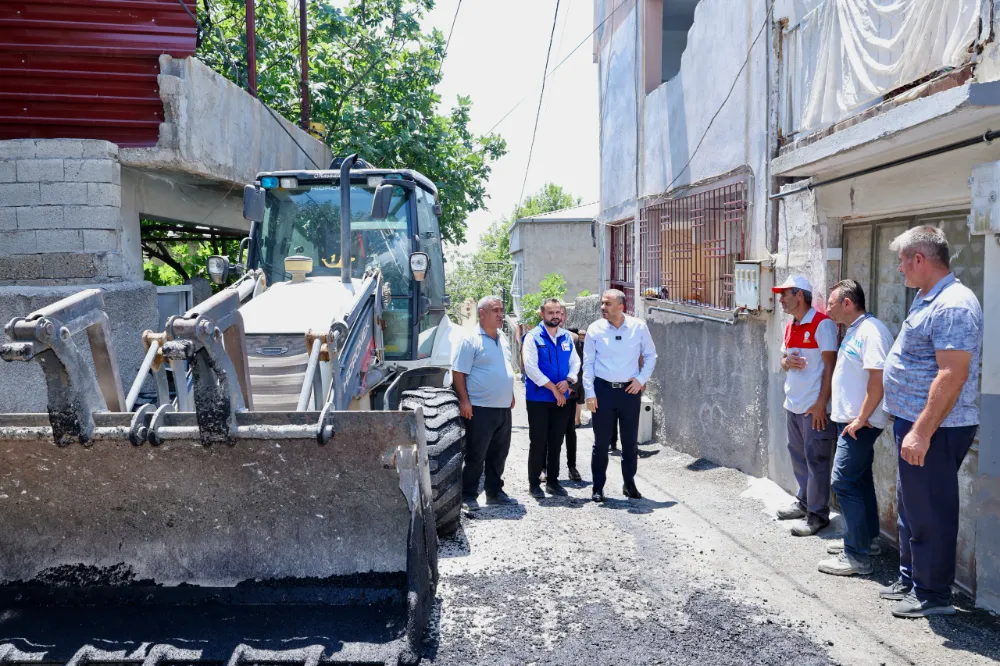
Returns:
<point x="793" y="282"/>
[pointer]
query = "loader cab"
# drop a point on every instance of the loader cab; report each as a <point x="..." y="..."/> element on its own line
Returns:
<point x="301" y="216"/>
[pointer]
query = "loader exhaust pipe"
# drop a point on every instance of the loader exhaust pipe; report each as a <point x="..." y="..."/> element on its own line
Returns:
<point x="345" y="217"/>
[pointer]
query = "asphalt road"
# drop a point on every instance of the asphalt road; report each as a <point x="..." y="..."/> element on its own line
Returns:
<point x="698" y="572"/>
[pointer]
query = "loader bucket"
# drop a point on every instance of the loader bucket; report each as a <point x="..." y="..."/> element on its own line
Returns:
<point x="277" y="542"/>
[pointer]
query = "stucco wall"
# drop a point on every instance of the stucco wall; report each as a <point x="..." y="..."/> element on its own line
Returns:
<point x="564" y="248"/>
<point x="617" y="88"/>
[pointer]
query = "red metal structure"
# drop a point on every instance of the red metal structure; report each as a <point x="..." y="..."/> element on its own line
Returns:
<point x="87" y="69"/>
<point x="690" y="245"/>
<point x="622" y="277"/>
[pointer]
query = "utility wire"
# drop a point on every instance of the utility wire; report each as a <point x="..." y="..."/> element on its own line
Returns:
<point x="767" y="18"/>
<point x="538" y="113"/>
<point x="452" y="30"/>
<point x="561" y="62"/>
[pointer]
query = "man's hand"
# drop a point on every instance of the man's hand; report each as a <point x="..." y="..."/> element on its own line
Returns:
<point x="563" y="386"/>
<point x="818" y="413"/>
<point x="512" y="401"/>
<point x="914" y="448"/>
<point x="854" y="426"/>
<point x="794" y="362"/>
<point x="465" y="409"/>
<point x="560" y="398"/>
<point x="591" y="405"/>
<point x="634" y="387"/>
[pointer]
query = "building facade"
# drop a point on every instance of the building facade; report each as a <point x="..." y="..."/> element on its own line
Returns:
<point x="782" y="134"/>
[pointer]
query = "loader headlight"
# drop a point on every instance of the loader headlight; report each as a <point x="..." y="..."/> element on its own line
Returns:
<point x="218" y="269"/>
<point x="418" y="265"/>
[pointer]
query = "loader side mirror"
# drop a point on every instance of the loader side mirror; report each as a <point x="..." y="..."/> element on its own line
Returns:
<point x="218" y="269"/>
<point x="382" y="201"/>
<point x="253" y="203"/>
<point x="418" y="265"/>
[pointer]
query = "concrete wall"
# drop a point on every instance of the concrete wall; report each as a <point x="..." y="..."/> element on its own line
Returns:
<point x="62" y="230"/>
<point x="617" y="84"/>
<point x="987" y="495"/>
<point x="558" y="247"/>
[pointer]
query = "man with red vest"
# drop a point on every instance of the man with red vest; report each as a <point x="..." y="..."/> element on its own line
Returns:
<point x="809" y="354"/>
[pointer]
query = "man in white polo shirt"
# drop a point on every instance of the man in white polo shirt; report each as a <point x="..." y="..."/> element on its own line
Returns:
<point x="857" y="412"/>
<point x="809" y="353"/>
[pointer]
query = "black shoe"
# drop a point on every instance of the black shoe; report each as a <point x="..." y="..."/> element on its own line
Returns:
<point x="555" y="488"/>
<point x="501" y="498"/>
<point x="598" y="496"/>
<point x="631" y="493"/>
<point x="574" y="475"/>
<point x="536" y="491"/>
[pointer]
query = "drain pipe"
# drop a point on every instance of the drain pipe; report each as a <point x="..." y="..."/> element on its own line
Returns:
<point x="345" y="217"/>
<point x="987" y="137"/>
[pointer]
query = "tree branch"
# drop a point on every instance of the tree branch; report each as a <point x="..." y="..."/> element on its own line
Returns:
<point x="163" y="254"/>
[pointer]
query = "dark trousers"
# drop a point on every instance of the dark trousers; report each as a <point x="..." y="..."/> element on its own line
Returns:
<point x="811" y="452"/>
<point x="615" y="409"/>
<point x="487" y="443"/>
<point x="571" y="435"/>
<point x="927" y="506"/>
<point x="546" y="429"/>
<point x="855" y="487"/>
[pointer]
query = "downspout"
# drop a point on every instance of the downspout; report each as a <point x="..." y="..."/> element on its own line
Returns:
<point x="304" y="57"/>
<point x="640" y="138"/>
<point x="345" y="218"/>
<point x="251" y="48"/>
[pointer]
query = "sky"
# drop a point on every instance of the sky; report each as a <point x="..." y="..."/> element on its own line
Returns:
<point x="496" y="57"/>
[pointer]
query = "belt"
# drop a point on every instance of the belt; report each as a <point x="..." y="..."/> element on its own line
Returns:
<point x="614" y="385"/>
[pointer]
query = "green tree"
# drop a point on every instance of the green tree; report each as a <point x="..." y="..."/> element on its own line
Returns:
<point x="373" y="74"/>
<point x="553" y="285"/>
<point x="488" y="270"/>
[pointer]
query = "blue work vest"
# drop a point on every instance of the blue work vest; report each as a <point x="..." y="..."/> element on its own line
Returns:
<point x="553" y="362"/>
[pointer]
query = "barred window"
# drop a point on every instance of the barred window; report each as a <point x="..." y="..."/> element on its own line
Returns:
<point x="690" y="246"/>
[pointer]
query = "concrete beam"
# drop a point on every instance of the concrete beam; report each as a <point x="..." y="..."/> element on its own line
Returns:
<point x="920" y="125"/>
<point x="214" y="132"/>
<point x="157" y="196"/>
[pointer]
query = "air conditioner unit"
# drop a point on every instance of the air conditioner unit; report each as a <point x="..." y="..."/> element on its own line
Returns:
<point x="752" y="282"/>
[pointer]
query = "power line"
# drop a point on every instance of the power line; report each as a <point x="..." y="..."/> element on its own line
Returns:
<point x="452" y="30"/>
<point x="561" y="62"/>
<point x="767" y="18"/>
<point x="538" y="113"/>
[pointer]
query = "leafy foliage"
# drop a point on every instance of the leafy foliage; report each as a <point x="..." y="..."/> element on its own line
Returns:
<point x="585" y="292"/>
<point x="373" y="74"/>
<point x="553" y="285"/>
<point x="488" y="270"/>
<point x="168" y="261"/>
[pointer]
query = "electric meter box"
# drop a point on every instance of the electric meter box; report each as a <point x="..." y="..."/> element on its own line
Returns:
<point x="752" y="282"/>
<point x="984" y="217"/>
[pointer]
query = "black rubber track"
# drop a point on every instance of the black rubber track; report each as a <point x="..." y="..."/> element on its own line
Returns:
<point x="445" y="450"/>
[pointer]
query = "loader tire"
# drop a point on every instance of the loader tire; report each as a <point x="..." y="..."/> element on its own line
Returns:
<point x="445" y="451"/>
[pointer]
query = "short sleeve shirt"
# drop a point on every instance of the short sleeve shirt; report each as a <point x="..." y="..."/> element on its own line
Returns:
<point x="485" y="362"/>
<point x="948" y="317"/>
<point x="863" y="349"/>
<point x="802" y="387"/>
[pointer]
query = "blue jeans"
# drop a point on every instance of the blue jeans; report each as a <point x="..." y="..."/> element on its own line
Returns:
<point x="855" y="487"/>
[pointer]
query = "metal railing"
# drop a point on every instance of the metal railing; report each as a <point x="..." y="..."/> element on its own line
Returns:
<point x="690" y="246"/>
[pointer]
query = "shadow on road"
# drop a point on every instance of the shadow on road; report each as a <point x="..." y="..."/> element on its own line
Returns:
<point x="497" y="512"/>
<point x="642" y="506"/>
<point x="455" y="545"/>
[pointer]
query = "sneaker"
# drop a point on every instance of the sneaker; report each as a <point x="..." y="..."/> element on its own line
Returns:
<point x="844" y="565"/>
<point x="895" y="592"/>
<point x="793" y="512"/>
<point x="536" y="491"/>
<point x="910" y="606"/>
<point x="809" y="525"/>
<point x="501" y="498"/>
<point x="598" y="496"/>
<point x="470" y="504"/>
<point x="838" y="547"/>
<point x="555" y="488"/>
<point x="574" y="475"/>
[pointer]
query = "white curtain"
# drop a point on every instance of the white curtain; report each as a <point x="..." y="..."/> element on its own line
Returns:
<point x="851" y="52"/>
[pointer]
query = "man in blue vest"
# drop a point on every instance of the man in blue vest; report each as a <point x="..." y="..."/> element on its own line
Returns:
<point x="550" y="364"/>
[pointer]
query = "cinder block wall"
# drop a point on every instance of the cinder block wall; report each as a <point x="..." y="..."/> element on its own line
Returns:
<point x="62" y="230"/>
<point x="60" y="212"/>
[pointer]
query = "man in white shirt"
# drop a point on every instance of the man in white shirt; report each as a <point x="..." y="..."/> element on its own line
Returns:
<point x="860" y="419"/>
<point x="809" y="354"/>
<point x="550" y="364"/>
<point x="613" y="383"/>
